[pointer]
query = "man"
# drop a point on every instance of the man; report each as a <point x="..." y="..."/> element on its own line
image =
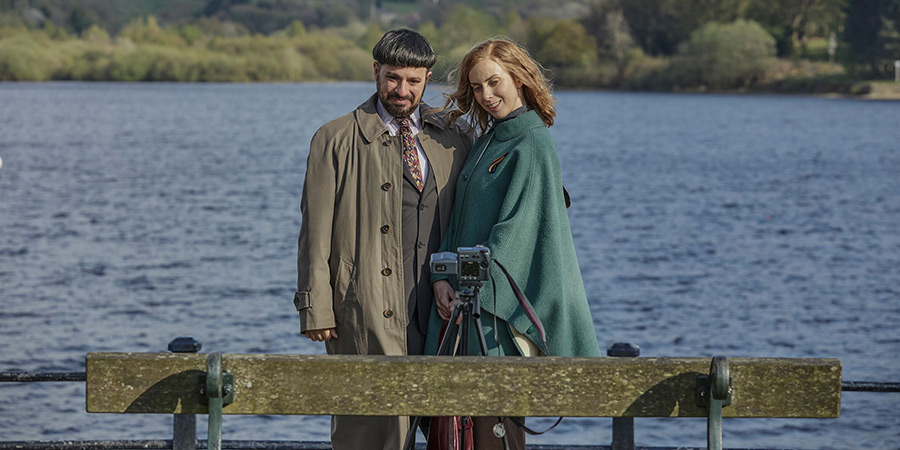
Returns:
<point x="376" y="200"/>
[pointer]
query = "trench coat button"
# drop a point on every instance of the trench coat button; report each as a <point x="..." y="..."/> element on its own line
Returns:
<point x="388" y="313"/>
<point x="386" y="143"/>
<point x="385" y="229"/>
<point x="465" y="176"/>
<point x="386" y="186"/>
<point x="386" y="271"/>
<point x="422" y="207"/>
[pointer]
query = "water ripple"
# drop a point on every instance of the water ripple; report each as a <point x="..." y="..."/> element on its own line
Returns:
<point x="705" y="225"/>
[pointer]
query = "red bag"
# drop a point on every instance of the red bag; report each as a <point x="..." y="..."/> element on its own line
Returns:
<point x="443" y="434"/>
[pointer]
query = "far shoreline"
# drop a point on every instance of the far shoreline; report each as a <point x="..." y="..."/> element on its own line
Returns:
<point x="876" y="90"/>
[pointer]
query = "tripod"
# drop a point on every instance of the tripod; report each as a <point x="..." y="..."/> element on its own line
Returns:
<point x="467" y="311"/>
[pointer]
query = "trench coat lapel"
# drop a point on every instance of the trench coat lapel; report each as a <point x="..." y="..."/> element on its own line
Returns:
<point x="370" y="123"/>
<point x="373" y="128"/>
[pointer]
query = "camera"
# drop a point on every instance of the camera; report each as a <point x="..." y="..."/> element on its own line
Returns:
<point x="471" y="265"/>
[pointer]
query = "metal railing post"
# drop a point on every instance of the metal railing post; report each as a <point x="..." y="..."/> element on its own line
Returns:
<point x="184" y="436"/>
<point x="219" y="392"/>
<point x="714" y="392"/>
<point x="623" y="427"/>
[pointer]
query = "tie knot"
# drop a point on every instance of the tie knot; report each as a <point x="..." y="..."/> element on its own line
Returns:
<point x="403" y="122"/>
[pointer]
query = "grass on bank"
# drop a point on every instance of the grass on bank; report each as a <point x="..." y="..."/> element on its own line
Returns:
<point x="139" y="55"/>
<point x="718" y="57"/>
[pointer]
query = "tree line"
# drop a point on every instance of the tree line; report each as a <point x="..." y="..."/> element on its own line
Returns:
<point x="794" y="45"/>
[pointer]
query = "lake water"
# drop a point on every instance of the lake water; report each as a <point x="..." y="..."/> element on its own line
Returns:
<point x="705" y="225"/>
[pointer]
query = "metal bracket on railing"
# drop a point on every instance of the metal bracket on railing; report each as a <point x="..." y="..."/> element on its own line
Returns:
<point x="220" y="391"/>
<point x="714" y="392"/>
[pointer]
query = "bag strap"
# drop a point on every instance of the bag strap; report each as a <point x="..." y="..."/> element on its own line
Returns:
<point x="521" y="425"/>
<point x="526" y="306"/>
<point x="532" y="315"/>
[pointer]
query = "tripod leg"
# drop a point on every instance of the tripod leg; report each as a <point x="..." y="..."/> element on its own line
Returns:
<point x="484" y="352"/>
<point x="410" y="442"/>
<point x="481" y="341"/>
<point x="443" y="349"/>
<point x="464" y="330"/>
<point x="464" y="346"/>
<point x="463" y="421"/>
<point x="450" y="332"/>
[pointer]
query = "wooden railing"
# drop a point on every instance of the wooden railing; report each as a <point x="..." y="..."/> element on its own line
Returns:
<point x="185" y="384"/>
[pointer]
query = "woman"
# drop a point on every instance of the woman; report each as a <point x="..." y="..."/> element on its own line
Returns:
<point x="509" y="198"/>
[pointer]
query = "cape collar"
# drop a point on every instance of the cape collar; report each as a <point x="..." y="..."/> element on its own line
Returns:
<point x="518" y="125"/>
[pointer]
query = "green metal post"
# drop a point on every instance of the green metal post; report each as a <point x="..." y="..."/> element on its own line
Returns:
<point x="220" y="391"/>
<point x="714" y="425"/>
<point x="718" y="394"/>
<point x="214" y="392"/>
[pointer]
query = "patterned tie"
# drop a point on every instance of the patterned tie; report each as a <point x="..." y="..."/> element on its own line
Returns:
<point x="410" y="153"/>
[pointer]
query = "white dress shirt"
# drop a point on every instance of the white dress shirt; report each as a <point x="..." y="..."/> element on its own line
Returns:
<point x="415" y="120"/>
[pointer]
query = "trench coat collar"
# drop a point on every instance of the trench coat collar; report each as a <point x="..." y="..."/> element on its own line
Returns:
<point x="373" y="127"/>
<point x="511" y="128"/>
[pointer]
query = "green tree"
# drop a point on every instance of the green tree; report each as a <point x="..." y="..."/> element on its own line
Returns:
<point x="863" y="32"/>
<point x="465" y="26"/>
<point x="793" y="22"/>
<point x="537" y="29"/>
<point x="516" y="27"/>
<point x="567" y="45"/>
<point x="54" y="32"/>
<point x="95" y="35"/>
<point x="892" y="30"/>
<point x="296" y="29"/>
<point x="148" y="31"/>
<point x="370" y="37"/>
<point x="718" y="56"/>
<point x="653" y="26"/>
<point x="191" y="33"/>
<point x="607" y="24"/>
<point x="871" y="31"/>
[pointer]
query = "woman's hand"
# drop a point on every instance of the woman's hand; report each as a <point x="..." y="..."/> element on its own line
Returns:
<point x="444" y="295"/>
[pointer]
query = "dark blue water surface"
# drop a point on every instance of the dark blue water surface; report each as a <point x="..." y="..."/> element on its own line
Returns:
<point x="705" y="225"/>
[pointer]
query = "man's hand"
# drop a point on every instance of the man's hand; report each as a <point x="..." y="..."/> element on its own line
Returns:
<point x="321" y="335"/>
<point x="444" y="295"/>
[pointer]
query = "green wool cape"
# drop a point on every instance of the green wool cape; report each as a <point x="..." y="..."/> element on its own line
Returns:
<point x="509" y="198"/>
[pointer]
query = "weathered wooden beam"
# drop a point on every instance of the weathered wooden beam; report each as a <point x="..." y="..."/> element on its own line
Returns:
<point x="433" y="386"/>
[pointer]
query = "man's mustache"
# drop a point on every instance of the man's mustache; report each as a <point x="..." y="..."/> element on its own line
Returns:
<point x="393" y="96"/>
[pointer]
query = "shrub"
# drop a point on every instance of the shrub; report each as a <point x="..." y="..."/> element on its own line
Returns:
<point x="133" y="64"/>
<point x="23" y="58"/>
<point x="644" y="72"/>
<point x="148" y="31"/>
<point x="356" y="64"/>
<point x="85" y="60"/>
<point x="91" y="65"/>
<point x="95" y="35"/>
<point x="218" y="67"/>
<point x="725" y="56"/>
<point x="325" y="51"/>
<point x="171" y="64"/>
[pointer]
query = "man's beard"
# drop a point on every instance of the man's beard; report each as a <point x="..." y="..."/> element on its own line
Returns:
<point x="398" y="111"/>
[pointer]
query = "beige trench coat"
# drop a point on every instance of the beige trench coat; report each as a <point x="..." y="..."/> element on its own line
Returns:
<point x="350" y="260"/>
